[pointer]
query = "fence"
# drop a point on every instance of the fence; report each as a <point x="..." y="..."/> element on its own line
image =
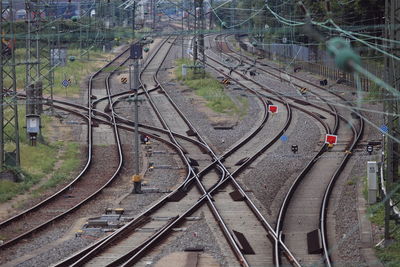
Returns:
<point x="313" y="60"/>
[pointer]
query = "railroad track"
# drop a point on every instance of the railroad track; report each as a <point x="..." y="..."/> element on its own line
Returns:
<point x="207" y="174"/>
<point x="87" y="184"/>
<point x="308" y="184"/>
<point x="92" y="178"/>
<point x="94" y="249"/>
<point x="133" y="255"/>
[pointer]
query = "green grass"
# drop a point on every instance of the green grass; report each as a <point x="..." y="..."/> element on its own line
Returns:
<point x="9" y="189"/>
<point x="74" y="71"/>
<point x="212" y="91"/>
<point x="38" y="161"/>
<point x="374" y="93"/>
<point x="390" y="255"/>
<point x="70" y="163"/>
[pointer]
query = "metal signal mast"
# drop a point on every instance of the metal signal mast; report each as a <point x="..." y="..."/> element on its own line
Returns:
<point x="392" y="16"/>
<point x="9" y="135"/>
<point x="39" y="69"/>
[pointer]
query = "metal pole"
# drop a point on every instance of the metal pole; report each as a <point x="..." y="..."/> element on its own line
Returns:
<point x="183" y="29"/>
<point x="9" y="134"/>
<point x="154" y="13"/>
<point x="391" y="107"/>
<point x="133" y="18"/>
<point x="137" y="178"/>
<point x="201" y="37"/>
<point x="233" y="14"/>
<point x="211" y="15"/>
<point x="2" y="152"/>
<point x="195" y="34"/>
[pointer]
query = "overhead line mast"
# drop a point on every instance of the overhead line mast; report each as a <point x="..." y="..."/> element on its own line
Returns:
<point x="392" y="70"/>
<point x="9" y="135"/>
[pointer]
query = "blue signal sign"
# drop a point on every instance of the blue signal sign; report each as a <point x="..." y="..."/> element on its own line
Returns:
<point x="384" y="129"/>
<point x="65" y="83"/>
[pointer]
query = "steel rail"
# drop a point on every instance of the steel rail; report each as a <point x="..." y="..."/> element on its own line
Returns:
<point x="191" y="171"/>
<point x="64" y="189"/>
<point x="182" y="217"/>
<point x="276" y="256"/>
<point x="356" y="137"/>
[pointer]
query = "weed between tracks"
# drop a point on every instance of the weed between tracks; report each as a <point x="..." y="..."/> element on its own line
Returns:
<point x="212" y="91"/>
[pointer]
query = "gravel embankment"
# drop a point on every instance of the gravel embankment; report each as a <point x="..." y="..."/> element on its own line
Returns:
<point x="272" y="176"/>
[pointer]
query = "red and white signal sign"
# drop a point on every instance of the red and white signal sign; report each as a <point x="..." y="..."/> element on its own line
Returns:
<point x="331" y="139"/>
<point x="273" y="108"/>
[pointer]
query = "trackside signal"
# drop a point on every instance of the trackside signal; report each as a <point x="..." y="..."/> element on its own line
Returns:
<point x="273" y="109"/>
<point x="331" y="139"/>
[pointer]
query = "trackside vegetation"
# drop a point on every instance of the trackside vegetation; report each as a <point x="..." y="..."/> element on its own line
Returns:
<point x="211" y="90"/>
<point x="49" y="163"/>
<point x="390" y="255"/>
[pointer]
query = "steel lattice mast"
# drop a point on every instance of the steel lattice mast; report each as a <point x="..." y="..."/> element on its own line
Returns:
<point x="39" y="70"/>
<point x="9" y="136"/>
<point x="392" y="70"/>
